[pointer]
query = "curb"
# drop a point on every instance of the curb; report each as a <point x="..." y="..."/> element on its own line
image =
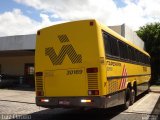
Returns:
<point x="154" y="91"/>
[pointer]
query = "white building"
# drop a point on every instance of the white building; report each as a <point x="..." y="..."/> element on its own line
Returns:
<point x="129" y="34"/>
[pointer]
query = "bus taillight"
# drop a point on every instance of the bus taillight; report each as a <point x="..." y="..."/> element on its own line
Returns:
<point x="39" y="93"/>
<point x="92" y="70"/>
<point x="93" y="92"/>
<point x="44" y="100"/>
<point x="39" y="73"/>
<point x="91" y="23"/>
<point x="38" y="32"/>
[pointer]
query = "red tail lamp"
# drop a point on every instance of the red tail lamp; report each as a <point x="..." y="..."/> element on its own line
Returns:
<point x="39" y="73"/>
<point x="91" y="23"/>
<point x="39" y="93"/>
<point x="93" y="92"/>
<point x="38" y="32"/>
<point x="92" y="70"/>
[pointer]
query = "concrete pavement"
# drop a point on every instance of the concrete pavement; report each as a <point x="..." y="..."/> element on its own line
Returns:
<point x="155" y="88"/>
<point x="18" y="95"/>
<point x="23" y="102"/>
<point x="145" y="105"/>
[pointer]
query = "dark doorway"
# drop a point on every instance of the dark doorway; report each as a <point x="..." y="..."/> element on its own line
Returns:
<point x="29" y="74"/>
<point x="0" y="69"/>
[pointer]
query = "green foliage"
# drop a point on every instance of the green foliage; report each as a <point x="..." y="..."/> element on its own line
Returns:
<point x="150" y="34"/>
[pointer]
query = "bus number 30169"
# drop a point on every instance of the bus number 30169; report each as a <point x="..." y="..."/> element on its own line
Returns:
<point x="71" y="72"/>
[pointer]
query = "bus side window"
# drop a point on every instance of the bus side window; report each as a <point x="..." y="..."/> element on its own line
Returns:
<point x="141" y="57"/>
<point x="144" y="59"/>
<point x="111" y="47"/>
<point x="123" y="50"/>
<point x="114" y="46"/>
<point x="148" y="61"/>
<point x="133" y="54"/>
<point x="107" y="45"/>
<point x="129" y="53"/>
<point x="136" y="55"/>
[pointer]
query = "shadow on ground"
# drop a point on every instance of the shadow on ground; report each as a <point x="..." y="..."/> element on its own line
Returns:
<point x="156" y="111"/>
<point x="92" y="114"/>
<point x="75" y="114"/>
<point x="20" y="88"/>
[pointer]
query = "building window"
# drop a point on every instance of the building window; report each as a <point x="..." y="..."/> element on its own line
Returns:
<point x="29" y="74"/>
<point x="29" y="69"/>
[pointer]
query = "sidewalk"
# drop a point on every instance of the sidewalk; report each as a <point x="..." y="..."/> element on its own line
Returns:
<point x="145" y="105"/>
<point x="155" y="88"/>
<point x="17" y="96"/>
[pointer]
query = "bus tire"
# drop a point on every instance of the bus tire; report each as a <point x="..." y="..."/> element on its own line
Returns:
<point x="127" y="101"/>
<point x="133" y="96"/>
<point x="148" y="90"/>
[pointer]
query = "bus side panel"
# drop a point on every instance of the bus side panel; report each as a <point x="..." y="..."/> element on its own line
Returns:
<point x="102" y="63"/>
<point x="120" y="73"/>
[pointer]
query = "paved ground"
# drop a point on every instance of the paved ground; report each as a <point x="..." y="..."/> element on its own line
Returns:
<point x="155" y="88"/>
<point x="22" y="103"/>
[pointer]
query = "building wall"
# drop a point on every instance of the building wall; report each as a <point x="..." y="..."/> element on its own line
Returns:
<point x="132" y="36"/>
<point x="14" y="65"/>
<point x="20" y="42"/>
<point x="116" y="29"/>
<point x="129" y="34"/>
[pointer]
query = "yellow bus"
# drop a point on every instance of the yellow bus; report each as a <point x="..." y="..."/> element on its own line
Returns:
<point x="87" y="65"/>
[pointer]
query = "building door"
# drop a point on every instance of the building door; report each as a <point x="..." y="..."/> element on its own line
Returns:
<point x="0" y="69"/>
<point x="29" y="74"/>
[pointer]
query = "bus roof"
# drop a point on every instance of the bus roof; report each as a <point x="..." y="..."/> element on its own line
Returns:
<point x="107" y="29"/>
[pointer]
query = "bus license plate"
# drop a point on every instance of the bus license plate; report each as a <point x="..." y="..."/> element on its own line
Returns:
<point x="64" y="102"/>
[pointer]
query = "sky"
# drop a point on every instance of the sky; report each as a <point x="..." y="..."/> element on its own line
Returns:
<point x="19" y="17"/>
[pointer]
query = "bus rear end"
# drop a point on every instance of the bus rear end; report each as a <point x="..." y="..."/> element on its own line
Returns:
<point x="67" y="66"/>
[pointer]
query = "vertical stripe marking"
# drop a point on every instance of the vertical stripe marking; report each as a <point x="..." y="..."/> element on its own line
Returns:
<point x="124" y="79"/>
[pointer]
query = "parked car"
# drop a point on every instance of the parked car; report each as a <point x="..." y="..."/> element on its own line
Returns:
<point x="8" y="80"/>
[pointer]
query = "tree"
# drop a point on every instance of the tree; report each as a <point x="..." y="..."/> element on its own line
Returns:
<point x="150" y="34"/>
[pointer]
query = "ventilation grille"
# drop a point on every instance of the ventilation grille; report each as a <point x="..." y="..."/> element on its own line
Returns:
<point x="63" y="38"/>
<point x="92" y="81"/>
<point x="113" y="85"/>
<point x="39" y="83"/>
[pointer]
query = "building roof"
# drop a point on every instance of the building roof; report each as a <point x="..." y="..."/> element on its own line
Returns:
<point x="19" y="42"/>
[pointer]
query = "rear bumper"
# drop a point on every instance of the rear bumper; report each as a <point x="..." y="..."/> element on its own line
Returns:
<point x="70" y="102"/>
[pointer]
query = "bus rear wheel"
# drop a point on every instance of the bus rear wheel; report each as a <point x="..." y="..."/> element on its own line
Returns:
<point x="133" y="96"/>
<point x="127" y="99"/>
